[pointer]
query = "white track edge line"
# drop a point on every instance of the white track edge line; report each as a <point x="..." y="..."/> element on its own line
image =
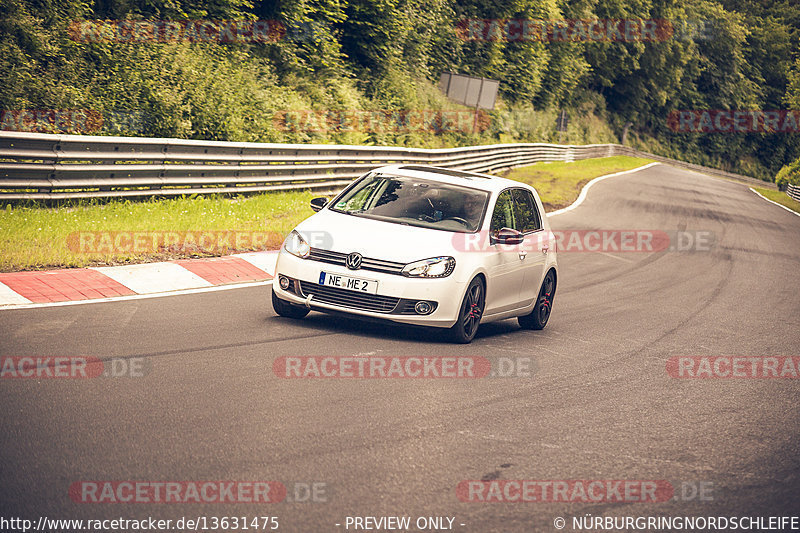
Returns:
<point x="792" y="211"/>
<point x="584" y="191"/>
<point x="139" y="296"/>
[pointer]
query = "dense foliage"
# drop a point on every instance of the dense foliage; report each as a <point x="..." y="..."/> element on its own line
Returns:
<point x="337" y="56"/>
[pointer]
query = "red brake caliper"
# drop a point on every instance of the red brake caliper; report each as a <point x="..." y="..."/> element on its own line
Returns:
<point x="474" y="311"/>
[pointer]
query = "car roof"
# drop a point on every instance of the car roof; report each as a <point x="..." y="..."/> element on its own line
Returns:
<point x="451" y="176"/>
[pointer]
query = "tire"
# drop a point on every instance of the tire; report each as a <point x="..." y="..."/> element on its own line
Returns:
<point x="286" y="309"/>
<point x="537" y="319"/>
<point x="469" y="317"/>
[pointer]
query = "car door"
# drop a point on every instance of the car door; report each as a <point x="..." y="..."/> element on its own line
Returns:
<point x="532" y="254"/>
<point x="506" y="273"/>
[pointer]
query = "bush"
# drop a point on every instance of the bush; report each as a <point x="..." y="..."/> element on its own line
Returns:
<point x="788" y="174"/>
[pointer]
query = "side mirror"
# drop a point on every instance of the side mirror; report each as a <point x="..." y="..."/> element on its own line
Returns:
<point x="508" y="236"/>
<point x="319" y="203"/>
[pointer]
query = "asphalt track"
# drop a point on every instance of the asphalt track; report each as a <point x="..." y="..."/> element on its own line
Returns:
<point x="599" y="404"/>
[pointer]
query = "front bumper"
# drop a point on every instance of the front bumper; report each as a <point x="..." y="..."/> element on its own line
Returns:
<point x="446" y="292"/>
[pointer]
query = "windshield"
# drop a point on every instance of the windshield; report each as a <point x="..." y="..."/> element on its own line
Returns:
<point x="415" y="202"/>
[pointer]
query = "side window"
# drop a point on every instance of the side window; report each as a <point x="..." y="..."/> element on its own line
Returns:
<point x="503" y="216"/>
<point x="525" y="212"/>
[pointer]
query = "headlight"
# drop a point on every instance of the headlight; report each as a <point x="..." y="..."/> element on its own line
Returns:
<point x="435" y="267"/>
<point x="295" y="244"/>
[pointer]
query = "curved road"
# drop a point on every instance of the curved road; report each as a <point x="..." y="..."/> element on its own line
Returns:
<point x="599" y="404"/>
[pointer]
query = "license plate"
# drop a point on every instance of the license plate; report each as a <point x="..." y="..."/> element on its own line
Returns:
<point x="369" y="286"/>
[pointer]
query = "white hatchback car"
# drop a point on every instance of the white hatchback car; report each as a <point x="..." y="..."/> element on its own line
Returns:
<point x="425" y="246"/>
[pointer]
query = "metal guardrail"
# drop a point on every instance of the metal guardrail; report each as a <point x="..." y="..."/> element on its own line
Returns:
<point x="36" y="166"/>
<point x="793" y="191"/>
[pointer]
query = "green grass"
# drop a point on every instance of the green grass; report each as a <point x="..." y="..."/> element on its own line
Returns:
<point x="34" y="237"/>
<point x="779" y="197"/>
<point x="559" y="184"/>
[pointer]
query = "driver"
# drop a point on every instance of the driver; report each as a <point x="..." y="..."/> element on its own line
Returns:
<point x="472" y="208"/>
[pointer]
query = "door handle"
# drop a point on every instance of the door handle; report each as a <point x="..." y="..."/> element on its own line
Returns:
<point x="523" y="254"/>
<point x="545" y="248"/>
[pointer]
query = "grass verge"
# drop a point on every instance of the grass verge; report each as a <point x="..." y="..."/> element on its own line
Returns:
<point x="33" y="237"/>
<point x="83" y="233"/>
<point x="779" y="197"/>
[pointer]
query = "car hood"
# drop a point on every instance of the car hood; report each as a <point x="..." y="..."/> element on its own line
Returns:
<point x="376" y="239"/>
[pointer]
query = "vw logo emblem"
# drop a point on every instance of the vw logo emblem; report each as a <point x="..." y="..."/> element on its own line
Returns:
<point x="353" y="261"/>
